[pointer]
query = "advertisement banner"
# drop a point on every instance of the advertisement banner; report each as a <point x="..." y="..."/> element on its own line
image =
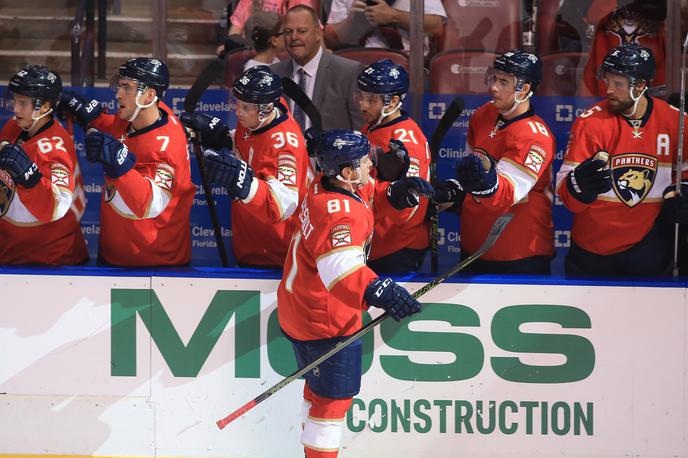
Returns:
<point x="144" y="366"/>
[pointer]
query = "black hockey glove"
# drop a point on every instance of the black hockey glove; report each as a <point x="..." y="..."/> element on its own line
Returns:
<point x="115" y="156"/>
<point x="448" y="191"/>
<point x="393" y="164"/>
<point x="313" y="136"/>
<point x="475" y="178"/>
<point x="589" y="179"/>
<point x="211" y="131"/>
<point x="394" y="299"/>
<point x="675" y="208"/>
<point x="406" y="192"/>
<point x="224" y="169"/>
<point x="83" y="111"/>
<point x="23" y="170"/>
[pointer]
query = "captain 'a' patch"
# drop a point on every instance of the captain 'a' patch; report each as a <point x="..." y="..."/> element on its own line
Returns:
<point x="340" y="235"/>
<point x="632" y="176"/>
<point x="6" y="191"/>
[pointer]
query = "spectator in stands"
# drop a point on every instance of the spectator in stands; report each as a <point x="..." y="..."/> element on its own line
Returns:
<point x="245" y="9"/>
<point x="41" y="190"/>
<point x="640" y="22"/>
<point x="329" y="80"/>
<point x="264" y="29"/>
<point x="359" y="22"/>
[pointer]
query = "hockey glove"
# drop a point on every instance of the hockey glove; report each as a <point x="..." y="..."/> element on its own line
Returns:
<point x="448" y="191"/>
<point x="393" y="164"/>
<point x="394" y="299"/>
<point x="475" y="178"/>
<point x="212" y="133"/>
<point x="83" y="111"/>
<point x="406" y="192"/>
<point x="115" y="157"/>
<point x="675" y="208"/>
<point x="313" y="136"/>
<point x="224" y="169"/>
<point x="589" y="179"/>
<point x="23" y="170"/>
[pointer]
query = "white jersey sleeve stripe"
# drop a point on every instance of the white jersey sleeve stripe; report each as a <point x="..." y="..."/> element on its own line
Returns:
<point x="159" y="200"/>
<point x="337" y="264"/>
<point x="523" y="181"/>
<point x="287" y="198"/>
<point x="63" y="201"/>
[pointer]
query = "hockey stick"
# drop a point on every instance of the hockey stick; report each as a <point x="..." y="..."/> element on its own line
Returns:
<point x="679" y="152"/>
<point x="207" y="76"/>
<point x="492" y="236"/>
<point x="211" y="73"/>
<point x="294" y="92"/>
<point x="450" y="115"/>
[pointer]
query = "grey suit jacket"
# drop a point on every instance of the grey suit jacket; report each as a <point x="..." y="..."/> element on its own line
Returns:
<point x="333" y="90"/>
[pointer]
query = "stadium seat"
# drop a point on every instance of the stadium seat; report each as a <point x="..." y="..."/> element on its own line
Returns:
<point x="460" y="72"/>
<point x="367" y="56"/>
<point x="493" y="25"/>
<point x="234" y="64"/>
<point x="562" y="73"/>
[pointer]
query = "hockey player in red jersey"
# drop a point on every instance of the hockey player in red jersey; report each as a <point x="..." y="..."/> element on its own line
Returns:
<point x="326" y="284"/>
<point x="41" y="192"/>
<point x="266" y="173"/>
<point x="509" y="168"/>
<point x="399" y="242"/>
<point x="148" y="191"/>
<point x="616" y="202"/>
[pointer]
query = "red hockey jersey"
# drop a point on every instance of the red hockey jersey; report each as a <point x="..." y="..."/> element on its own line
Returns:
<point x="607" y="39"/>
<point x="408" y="228"/>
<point x="41" y="225"/>
<point x="524" y="148"/>
<point x="325" y="274"/>
<point x="261" y="224"/>
<point x="641" y="154"/>
<point x="145" y="213"/>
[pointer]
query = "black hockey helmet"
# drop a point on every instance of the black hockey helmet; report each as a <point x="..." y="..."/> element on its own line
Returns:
<point x="147" y="72"/>
<point x="37" y="82"/>
<point x="341" y="148"/>
<point x="526" y="67"/>
<point x="630" y="60"/>
<point x="258" y="85"/>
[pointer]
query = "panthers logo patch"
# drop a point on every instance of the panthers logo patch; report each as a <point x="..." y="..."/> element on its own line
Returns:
<point x="6" y="192"/>
<point x="632" y="176"/>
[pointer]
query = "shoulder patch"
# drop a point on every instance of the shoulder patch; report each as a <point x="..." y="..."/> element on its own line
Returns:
<point x="414" y="168"/>
<point x="164" y="176"/>
<point x="340" y="235"/>
<point x="59" y="174"/>
<point x="6" y="192"/>
<point x="535" y="158"/>
<point x="286" y="169"/>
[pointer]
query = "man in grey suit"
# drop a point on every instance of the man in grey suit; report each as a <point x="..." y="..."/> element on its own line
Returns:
<point x="328" y="80"/>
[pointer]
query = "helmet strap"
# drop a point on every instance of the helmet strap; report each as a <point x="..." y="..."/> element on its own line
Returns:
<point x="516" y="103"/>
<point x="139" y="93"/>
<point x="355" y="183"/>
<point x="387" y="104"/>
<point x="264" y="116"/>
<point x="36" y="119"/>
<point x="635" y="99"/>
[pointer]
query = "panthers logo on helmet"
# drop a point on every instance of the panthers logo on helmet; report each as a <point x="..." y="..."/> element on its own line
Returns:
<point x="6" y="192"/>
<point x="632" y="176"/>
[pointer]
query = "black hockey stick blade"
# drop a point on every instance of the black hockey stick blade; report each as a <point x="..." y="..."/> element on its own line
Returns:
<point x="211" y="73"/>
<point x="495" y="231"/>
<point x="450" y="115"/>
<point x="294" y="92"/>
